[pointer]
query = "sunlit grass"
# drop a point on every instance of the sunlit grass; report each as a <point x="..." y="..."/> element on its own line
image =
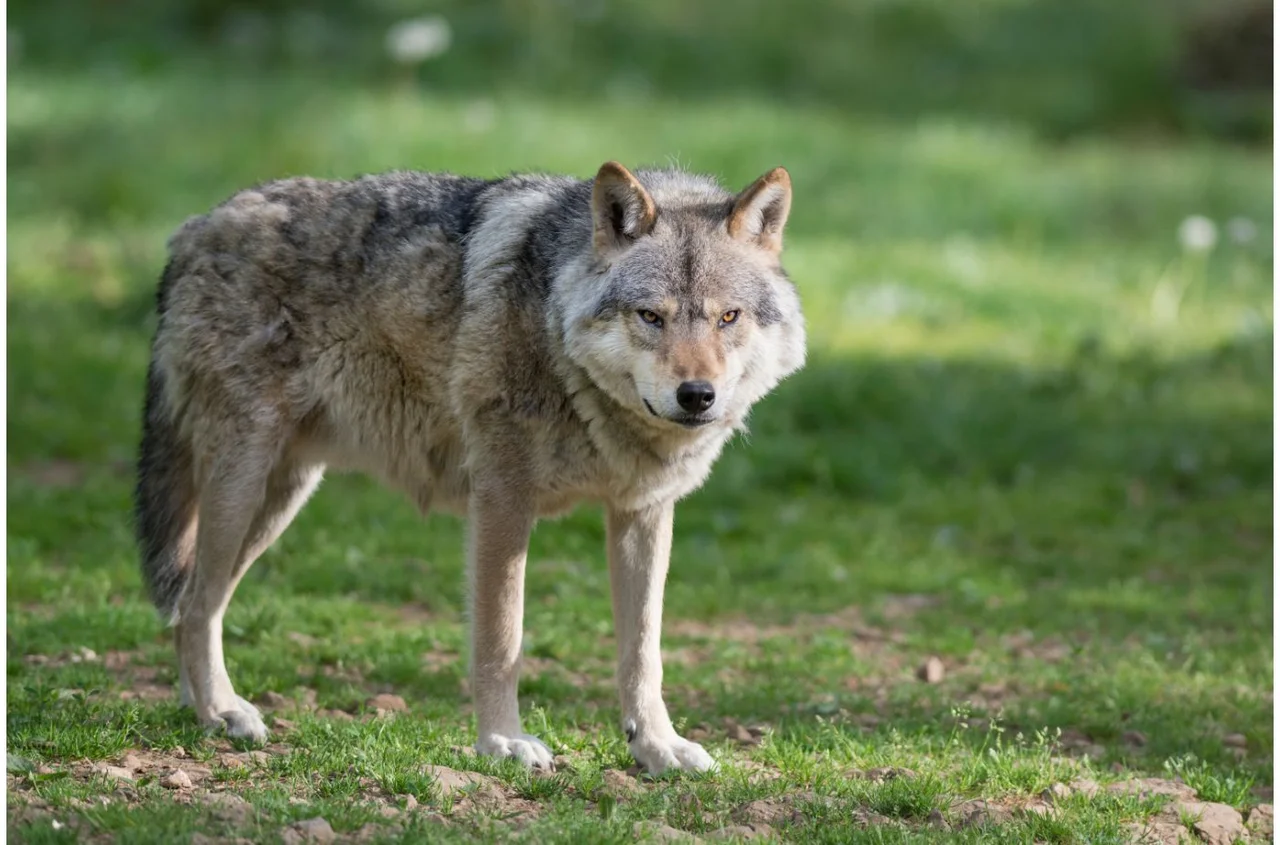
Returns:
<point x="999" y="416"/>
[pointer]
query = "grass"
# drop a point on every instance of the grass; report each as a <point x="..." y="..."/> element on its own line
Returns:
<point x="1033" y="440"/>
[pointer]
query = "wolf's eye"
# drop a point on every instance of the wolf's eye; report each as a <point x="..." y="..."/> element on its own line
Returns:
<point x="729" y="317"/>
<point x="650" y="318"/>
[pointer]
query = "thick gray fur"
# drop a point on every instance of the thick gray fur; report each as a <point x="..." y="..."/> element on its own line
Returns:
<point x="456" y="337"/>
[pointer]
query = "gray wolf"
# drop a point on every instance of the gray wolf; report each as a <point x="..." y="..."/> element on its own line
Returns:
<point x="500" y="349"/>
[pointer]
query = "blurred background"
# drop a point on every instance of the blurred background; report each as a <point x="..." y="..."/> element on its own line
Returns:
<point x="1059" y="67"/>
<point x="1033" y="238"/>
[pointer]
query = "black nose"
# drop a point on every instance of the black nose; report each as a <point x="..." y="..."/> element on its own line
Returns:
<point x="695" y="396"/>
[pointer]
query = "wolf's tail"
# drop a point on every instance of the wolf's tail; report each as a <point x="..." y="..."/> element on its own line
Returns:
<point x="165" y="501"/>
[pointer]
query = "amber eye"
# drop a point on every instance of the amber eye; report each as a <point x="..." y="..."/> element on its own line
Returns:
<point x="650" y="318"/>
<point x="728" y="317"/>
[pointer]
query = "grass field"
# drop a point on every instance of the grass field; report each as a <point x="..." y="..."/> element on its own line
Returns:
<point x="1033" y="441"/>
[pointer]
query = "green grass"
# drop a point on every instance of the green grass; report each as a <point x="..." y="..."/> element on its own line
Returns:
<point x="1033" y="439"/>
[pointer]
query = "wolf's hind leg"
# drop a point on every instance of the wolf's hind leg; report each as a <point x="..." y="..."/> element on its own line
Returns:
<point x="232" y="495"/>
<point x="288" y="488"/>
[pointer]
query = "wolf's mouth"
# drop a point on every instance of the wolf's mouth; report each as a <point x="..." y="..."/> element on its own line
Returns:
<point x="687" y="422"/>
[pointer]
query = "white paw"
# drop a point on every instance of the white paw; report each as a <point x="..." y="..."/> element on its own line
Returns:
<point x="243" y="722"/>
<point x="528" y="750"/>
<point x="670" y="752"/>
<point x="251" y="709"/>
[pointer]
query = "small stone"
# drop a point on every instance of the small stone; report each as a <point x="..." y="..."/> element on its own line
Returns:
<point x="1135" y="738"/>
<point x="116" y="660"/>
<point x="463" y="750"/>
<point x="387" y="701"/>
<point x="619" y="784"/>
<point x="1216" y="824"/>
<point x="311" y="830"/>
<point x="1158" y="833"/>
<point x="739" y="733"/>
<point x="1262" y="821"/>
<point x="179" y="752"/>
<point x="132" y="763"/>
<point x="980" y="813"/>
<point x="230" y="761"/>
<point x="936" y="819"/>
<point x="1084" y="786"/>
<point x="1056" y="793"/>
<point x="884" y="773"/>
<point x="117" y="772"/>
<point x="284" y="724"/>
<point x="450" y="782"/>
<point x="259" y="758"/>
<point x="410" y="803"/>
<point x="370" y="832"/>
<point x="931" y="671"/>
<point x="177" y="779"/>
<point x="228" y="807"/>
<point x="336" y="715"/>
<point x="771" y="811"/>
<point x="273" y="700"/>
<point x="304" y="640"/>
<point x="1235" y="741"/>
<point x="660" y="832"/>
<point x="742" y="831"/>
<point x="1146" y="787"/>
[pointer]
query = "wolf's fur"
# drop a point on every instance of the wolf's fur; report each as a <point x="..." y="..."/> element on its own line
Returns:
<point x="496" y="348"/>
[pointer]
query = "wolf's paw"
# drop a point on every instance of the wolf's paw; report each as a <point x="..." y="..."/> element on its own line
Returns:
<point x="672" y="752"/>
<point x="528" y="750"/>
<point x="243" y="722"/>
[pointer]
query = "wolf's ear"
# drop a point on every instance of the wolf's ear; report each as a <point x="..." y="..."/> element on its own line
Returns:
<point x="621" y="209"/>
<point x="760" y="212"/>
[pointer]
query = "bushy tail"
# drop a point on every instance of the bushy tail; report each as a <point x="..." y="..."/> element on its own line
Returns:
<point x="165" y="503"/>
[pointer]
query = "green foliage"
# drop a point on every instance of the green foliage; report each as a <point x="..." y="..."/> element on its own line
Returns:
<point x="1061" y="67"/>
<point x="1210" y="784"/>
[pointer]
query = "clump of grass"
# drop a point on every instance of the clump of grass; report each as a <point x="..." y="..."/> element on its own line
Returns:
<point x="906" y="797"/>
<point x="1017" y="763"/>
<point x="1211" y="784"/>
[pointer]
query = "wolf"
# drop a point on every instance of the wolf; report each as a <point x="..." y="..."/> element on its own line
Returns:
<point x="501" y="349"/>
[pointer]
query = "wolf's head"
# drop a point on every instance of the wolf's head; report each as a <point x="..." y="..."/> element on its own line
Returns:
<point x="686" y="316"/>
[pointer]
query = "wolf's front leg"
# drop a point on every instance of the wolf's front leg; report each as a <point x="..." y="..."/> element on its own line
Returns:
<point x="500" y="522"/>
<point x="639" y="552"/>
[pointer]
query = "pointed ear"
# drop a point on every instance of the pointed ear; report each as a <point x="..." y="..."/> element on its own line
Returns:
<point x="621" y="209"/>
<point x="760" y="212"/>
